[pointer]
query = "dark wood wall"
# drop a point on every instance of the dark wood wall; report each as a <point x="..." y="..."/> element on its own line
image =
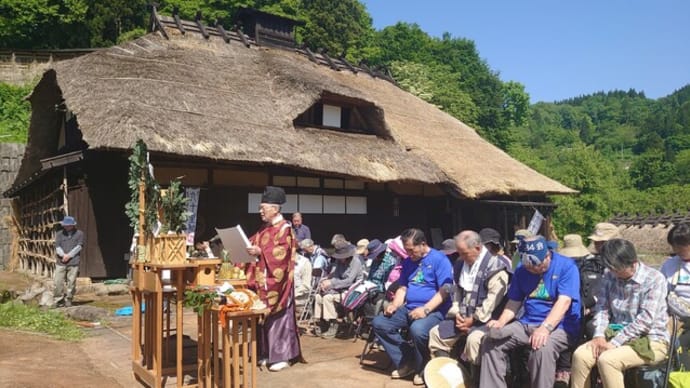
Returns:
<point x="99" y="191"/>
<point x="97" y="200"/>
<point x="221" y="207"/>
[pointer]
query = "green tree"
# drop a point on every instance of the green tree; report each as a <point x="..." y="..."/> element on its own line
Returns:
<point x="650" y="170"/>
<point x="434" y="84"/>
<point x="108" y="20"/>
<point x="342" y="27"/>
<point x="682" y="166"/>
<point x="515" y="103"/>
<point x="37" y="24"/>
<point x="15" y="112"/>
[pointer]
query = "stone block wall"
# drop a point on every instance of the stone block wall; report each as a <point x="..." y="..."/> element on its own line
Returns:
<point x="10" y="159"/>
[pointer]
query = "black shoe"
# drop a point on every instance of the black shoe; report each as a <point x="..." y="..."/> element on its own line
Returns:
<point x="331" y="332"/>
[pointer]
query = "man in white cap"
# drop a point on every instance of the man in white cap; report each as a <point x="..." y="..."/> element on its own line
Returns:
<point x="68" y="244"/>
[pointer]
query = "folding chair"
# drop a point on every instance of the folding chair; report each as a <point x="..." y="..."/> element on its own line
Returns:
<point x="308" y="309"/>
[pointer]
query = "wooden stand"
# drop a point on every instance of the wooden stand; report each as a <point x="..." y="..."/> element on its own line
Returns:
<point x="149" y="336"/>
<point x="231" y="348"/>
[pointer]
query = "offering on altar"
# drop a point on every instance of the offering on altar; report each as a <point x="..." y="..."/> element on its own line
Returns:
<point x="228" y="270"/>
<point x="242" y="300"/>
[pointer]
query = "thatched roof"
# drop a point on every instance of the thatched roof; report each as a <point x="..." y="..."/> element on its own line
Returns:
<point x="186" y="95"/>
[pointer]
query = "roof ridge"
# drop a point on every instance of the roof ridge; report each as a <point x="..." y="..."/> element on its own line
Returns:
<point x="320" y="57"/>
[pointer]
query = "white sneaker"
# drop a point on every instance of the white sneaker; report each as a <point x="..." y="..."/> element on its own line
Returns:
<point x="278" y="366"/>
<point x="263" y="362"/>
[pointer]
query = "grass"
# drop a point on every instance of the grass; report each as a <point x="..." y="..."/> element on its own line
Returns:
<point x="31" y="318"/>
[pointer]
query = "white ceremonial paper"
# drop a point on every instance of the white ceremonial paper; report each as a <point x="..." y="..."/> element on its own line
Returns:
<point x="236" y="243"/>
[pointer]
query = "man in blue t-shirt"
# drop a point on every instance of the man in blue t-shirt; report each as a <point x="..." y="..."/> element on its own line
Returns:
<point x="420" y="303"/>
<point x="547" y="285"/>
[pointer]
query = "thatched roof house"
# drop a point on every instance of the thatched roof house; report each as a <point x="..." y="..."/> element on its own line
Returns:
<point x="206" y="99"/>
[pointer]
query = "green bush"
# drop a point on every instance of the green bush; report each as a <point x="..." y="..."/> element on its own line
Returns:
<point x="31" y="318"/>
<point x="15" y="111"/>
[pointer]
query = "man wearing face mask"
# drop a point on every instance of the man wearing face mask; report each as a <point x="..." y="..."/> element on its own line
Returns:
<point x="547" y="285"/>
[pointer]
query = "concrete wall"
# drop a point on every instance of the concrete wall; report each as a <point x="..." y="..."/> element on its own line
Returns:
<point x="10" y="160"/>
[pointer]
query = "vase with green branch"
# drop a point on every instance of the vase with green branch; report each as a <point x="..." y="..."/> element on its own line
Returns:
<point x="174" y="208"/>
<point x="140" y="173"/>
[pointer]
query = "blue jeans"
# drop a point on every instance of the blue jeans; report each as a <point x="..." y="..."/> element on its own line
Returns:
<point x="401" y="352"/>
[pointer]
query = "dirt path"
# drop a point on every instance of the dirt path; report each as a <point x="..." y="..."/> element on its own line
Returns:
<point x="30" y="360"/>
<point x="103" y="358"/>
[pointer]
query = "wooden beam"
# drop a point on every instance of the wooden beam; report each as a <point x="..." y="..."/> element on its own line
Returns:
<point x="348" y="65"/>
<point x="517" y="203"/>
<point x="367" y="69"/>
<point x="222" y="31"/>
<point x="243" y="38"/>
<point x="200" y="25"/>
<point x="156" y="21"/>
<point x="328" y="59"/>
<point x="178" y="22"/>
<point x="311" y="55"/>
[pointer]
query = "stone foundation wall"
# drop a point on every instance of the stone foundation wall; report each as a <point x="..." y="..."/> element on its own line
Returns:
<point x="10" y="159"/>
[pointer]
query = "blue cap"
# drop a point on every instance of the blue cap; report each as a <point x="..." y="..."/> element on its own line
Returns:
<point x="68" y="221"/>
<point x="533" y="251"/>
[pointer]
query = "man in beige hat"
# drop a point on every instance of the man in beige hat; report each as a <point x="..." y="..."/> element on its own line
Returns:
<point x="361" y="255"/>
<point x="573" y="246"/>
<point x="603" y="232"/>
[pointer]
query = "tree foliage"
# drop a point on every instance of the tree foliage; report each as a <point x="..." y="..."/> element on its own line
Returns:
<point x="625" y="153"/>
<point x="15" y="112"/>
<point x="621" y="150"/>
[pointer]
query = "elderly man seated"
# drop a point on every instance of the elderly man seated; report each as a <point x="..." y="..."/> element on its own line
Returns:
<point x="547" y="285"/>
<point x="317" y="256"/>
<point x="481" y="281"/>
<point x="347" y="271"/>
<point x="419" y="304"/>
<point x="629" y="319"/>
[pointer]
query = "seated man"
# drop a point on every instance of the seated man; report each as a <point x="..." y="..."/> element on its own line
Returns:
<point x="302" y="280"/>
<point x="419" y="304"/>
<point x="548" y="286"/>
<point x="347" y="271"/>
<point x="481" y="281"/>
<point x="629" y="319"/>
<point x="316" y="254"/>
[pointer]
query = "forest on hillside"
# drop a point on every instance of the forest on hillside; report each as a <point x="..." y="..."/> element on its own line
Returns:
<point x="623" y="151"/>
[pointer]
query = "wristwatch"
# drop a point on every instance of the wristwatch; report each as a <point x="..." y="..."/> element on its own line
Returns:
<point x="548" y="326"/>
<point x="426" y="311"/>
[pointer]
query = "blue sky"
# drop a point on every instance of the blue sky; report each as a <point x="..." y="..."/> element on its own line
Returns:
<point x="563" y="48"/>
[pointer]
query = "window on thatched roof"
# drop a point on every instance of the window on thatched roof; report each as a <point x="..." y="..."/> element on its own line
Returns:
<point x="344" y="114"/>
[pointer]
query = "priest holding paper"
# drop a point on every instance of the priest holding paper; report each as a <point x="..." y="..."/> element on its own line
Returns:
<point x="271" y="276"/>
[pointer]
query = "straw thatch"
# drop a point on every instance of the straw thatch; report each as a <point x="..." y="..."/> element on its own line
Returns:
<point x="649" y="239"/>
<point x="198" y="97"/>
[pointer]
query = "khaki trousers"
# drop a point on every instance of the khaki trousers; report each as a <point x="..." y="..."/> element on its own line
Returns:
<point x="611" y="364"/>
<point x="65" y="274"/>
<point x="472" y="343"/>
<point x="324" y="306"/>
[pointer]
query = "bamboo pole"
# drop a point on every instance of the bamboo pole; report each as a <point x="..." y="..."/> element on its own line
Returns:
<point x="65" y="191"/>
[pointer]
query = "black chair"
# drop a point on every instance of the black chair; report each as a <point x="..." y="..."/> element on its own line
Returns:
<point x="640" y="377"/>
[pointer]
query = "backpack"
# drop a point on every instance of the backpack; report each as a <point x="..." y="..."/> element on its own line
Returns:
<point x="357" y="294"/>
<point x="591" y="270"/>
